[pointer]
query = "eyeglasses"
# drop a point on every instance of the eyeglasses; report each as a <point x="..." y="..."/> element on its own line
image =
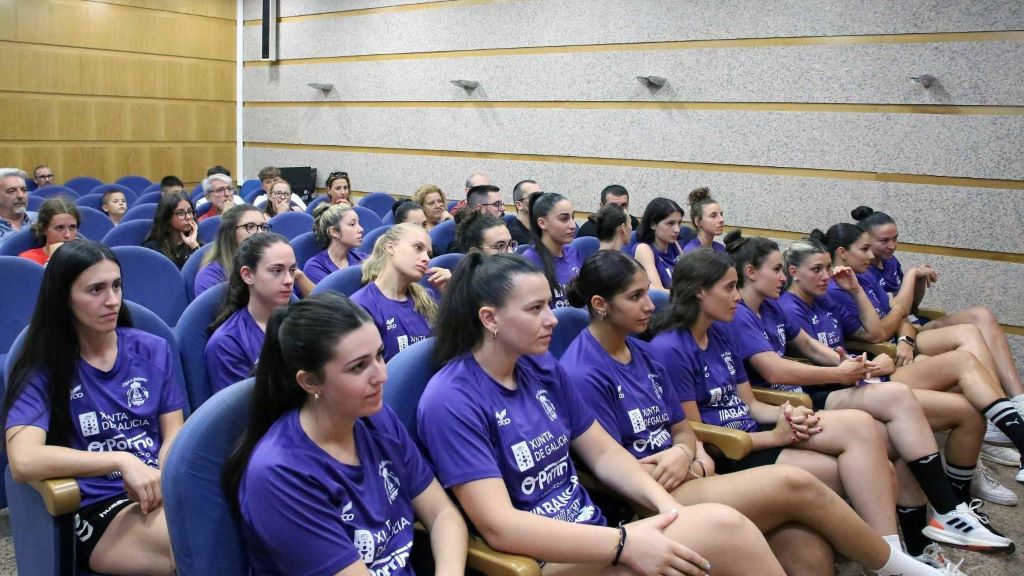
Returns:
<point x="497" y="205"/>
<point x="252" y="227"/>
<point x="280" y="195"/>
<point x="222" y="190"/>
<point x="45" y="177"/>
<point x="185" y="213"/>
<point x="506" y="247"/>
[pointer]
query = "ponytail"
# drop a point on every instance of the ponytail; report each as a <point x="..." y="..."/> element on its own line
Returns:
<point x="541" y="204"/>
<point x="696" y="271"/>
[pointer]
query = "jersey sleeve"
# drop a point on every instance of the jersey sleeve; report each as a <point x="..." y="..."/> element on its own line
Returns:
<point x="844" y="310"/>
<point x="225" y="362"/>
<point x="455" y="435"/>
<point x="748" y="337"/>
<point x="667" y="351"/>
<point x="32" y="406"/>
<point x="597" y="392"/>
<point x="581" y="418"/>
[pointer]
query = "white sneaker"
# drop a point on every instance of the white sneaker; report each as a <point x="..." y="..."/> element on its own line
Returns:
<point x="961" y="527"/>
<point x="1004" y="455"/>
<point x="993" y="435"/>
<point x="1020" y="475"/>
<point x="932" y="556"/>
<point x="987" y="487"/>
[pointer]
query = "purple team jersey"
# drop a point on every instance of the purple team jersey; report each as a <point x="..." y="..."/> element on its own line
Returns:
<point x="233" y="350"/>
<point x="665" y="261"/>
<point x="114" y="411"/>
<point x="889" y="276"/>
<point x="320" y="265"/>
<point x="752" y="335"/>
<point x="211" y="275"/>
<point x="695" y="244"/>
<point x="708" y="377"/>
<point x="304" y="512"/>
<point x="844" y="307"/>
<point x="631" y="401"/>
<point x="817" y="319"/>
<point x="398" y="322"/>
<point x="566" y="268"/>
<point x="474" y="428"/>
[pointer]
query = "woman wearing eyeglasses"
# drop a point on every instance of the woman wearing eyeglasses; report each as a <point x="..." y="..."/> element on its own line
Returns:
<point x="174" y="233"/>
<point x="236" y="225"/>
<point x="484" y="233"/>
<point x="280" y="199"/>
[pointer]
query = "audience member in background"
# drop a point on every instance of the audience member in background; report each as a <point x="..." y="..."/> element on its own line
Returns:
<point x="171" y="185"/>
<point x="82" y="358"/>
<point x="485" y="198"/>
<point x="262" y="279"/>
<point x="56" y="224"/>
<point x="279" y="200"/>
<point x="237" y="224"/>
<point x="708" y="220"/>
<point x="320" y="440"/>
<point x="435" y="205"/>
<point x="498" y="421"/>
<point x="338" y="231"/>
<point x="339" y="188"/>
<point x="657" y="241"/>
<point x="175" y="232"/>
<point x="219" y="191"/>
<point x="519" y="227"/>
<point x="475" y="179"/>
<point x="269" y="177"/>
<point x="612" y="227"/>
<point x="409" y="211"/>
<point x="114" y="205"/>
<point x="484" y="233"/>
<point x="43" y="176"/>
<point x="554" y="229"/>
<point x="612" y="194"/>
<point x="14" y="214"/>
<point x="218" y="169"/>
<point x="402" y="309"/>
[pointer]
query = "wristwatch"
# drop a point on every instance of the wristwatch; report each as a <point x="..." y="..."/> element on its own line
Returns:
<point x="908" y="340"/>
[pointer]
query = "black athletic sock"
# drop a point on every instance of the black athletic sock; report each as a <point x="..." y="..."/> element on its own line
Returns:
<point x="929" y="474"/>
<point x="1005" y="416"/>
<point x="912" y="522"/>
<point x="960" y="478"/>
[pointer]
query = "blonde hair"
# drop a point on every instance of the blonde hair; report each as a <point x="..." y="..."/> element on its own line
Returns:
<point x="420" y="196"/>
<point x="325" y="217"/>
<point x="374" y="265"/>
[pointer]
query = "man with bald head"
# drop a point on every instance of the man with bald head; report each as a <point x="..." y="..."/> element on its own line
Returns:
<point x="520" y="226"/>
<point x="475" y="179"/>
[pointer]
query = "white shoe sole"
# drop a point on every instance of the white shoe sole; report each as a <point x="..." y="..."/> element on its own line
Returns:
<point x="953" y="539"/>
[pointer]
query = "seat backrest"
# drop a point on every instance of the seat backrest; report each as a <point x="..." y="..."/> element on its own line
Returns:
<point x="291" y="224"/>
<point x="379" y="202"/>
<point x="18" y="292"/>
<point x="508" y="218"/>
<point x="447" y="261"/>
<point x="149" y="278"/>
<point x="571" y="321"/>
<point x="660" y="299"/>
<point x="208" y="229"/>
<point x="82" y="184"/>
<point x="129" y="193"/>
<point x="35" y="202"/>
<point x="154" y="187"/>
<point x="368" y="219"/>
<point x="54" y="191"/>
<point x="370" y="238"/>
<point x="141" y="212"/>
<point x="136" y="183"/>
<point x="314" y="203"/>
<point x="197" y="193"/>
<point x="191" y="269"/>
<point x="442" y="235"/>
<point x="585" y="246"/>
<point x="205" y="536"/>
<point x="408" y="374"/>
<point x="91" y="200"/>
<point x="128" y="233"/>
<point x="151" y="197"/>
<point x="388" y="219"/>
<point x="346" y="281"/>
<point x="685" y="235"/>
<point x="191" y="333"/>
<point x="93" y="224"/>
<point x="522" y="248"/>
<point x="251" y="189"/>
<point x="17" y="242"/>
<point x="305" y="247"/>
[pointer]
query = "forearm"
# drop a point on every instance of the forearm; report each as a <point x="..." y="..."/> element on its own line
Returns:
<point x="448" y="542"/>
<point x="908" y="289"/>
<point x="869" y="320"/>
<point x="683" y="435"/>
<point x="47" y="462"/>
<point x="621" y="472"/>
<point x="553" y="540"/>
<point x="908" y="329"/>
<point x="764" y="413"/>
<point x="764" y="440"/>
<point x="778" y="370"/>
<point x="816" y="352"/>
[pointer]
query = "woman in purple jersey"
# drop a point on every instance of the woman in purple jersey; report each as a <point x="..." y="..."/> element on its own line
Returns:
<point x="623" y="384"/>
<point x="338" y="231"/>
<point x="485" y="233"/>
<point x="237" y="224"/>
<point x="884" y="234"/>
<point x="612" y="226"/>
<point x="554" y="229"/>
<point x="326" y="479"/>
<point x="761" y="331"/>
<point x="93" y="399"/>
<point x="498" y="421"/>
<point x="708" y="219"/>
<point x="657" y="241"/>
<point x="845" y="448"/>
<point x="262" y="279"/>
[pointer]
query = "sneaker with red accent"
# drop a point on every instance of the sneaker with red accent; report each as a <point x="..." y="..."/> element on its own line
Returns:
<point x="962" y="527"/>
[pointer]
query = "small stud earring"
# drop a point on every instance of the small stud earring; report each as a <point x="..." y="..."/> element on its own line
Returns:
<point x="316" y="395"/>
<point x="494" y="333"/>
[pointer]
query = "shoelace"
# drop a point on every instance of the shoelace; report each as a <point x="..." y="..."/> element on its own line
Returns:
<point x="974" y="507"/>
<point x="936" y="556"/>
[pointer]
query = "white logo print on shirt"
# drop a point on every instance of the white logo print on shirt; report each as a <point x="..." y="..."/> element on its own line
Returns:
<point x="390" y="324"/>
<point x="521" y="452"/>
<point x="549" y="407"/>
<point x="90" y="424"/>
<point x="363" y="541"/>
<point x="502" y="417"/>
<point x="137" y="393"/>
<point x="727" y="358"/>
<point x="391" y="483"/>
<point x="637" y="420"/>
<point x="76" y="393"/>
<point x="346" y="513"/>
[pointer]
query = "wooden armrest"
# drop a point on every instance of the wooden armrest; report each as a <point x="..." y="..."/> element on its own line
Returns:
<point x="60" y="495"/>
<point x="735" y="444"/>
<point x="887" y="348"/>
<point x="493" y="563"/>
<point x="780" y="397"/>
<point x="930" y="313"/>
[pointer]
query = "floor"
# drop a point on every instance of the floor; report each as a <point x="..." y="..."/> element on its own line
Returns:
<point x="1009" y="520"/>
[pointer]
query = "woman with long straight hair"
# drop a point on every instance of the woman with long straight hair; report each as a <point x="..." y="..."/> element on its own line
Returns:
<point x="175" y="232"/>
<point x="657" y="241"/>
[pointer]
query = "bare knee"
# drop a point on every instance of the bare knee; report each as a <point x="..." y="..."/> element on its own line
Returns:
<point x="722" y="519"/>
<point x="795" y="485"/>
<point x="861" y="428"/>
<point x="982" y="317"/>
<point x="897" y="400"/>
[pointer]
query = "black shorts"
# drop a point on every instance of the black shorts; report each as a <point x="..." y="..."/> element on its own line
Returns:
<point x="92" y="521"/>
<point x="765" y="457"/>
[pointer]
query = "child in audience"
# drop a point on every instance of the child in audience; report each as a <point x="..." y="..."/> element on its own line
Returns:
<point x="554" y="229"/>
<point x="657" y="241"/>
<point x="326" y="479"/>
<point x="435" y="205"/>
<point x="612" y="227"/>
<point x="631" y="396"/>
<point x="846" y="449"/>
<point x="114" y="205"/>
<point x="409" y="211"/>
<point x="498" y="421"/>
<point x="402" y="308"/>
<point x="339" y="187"/>
<point x="82" y="359"/>
<point x="708" y="219"/>
<point x="262" y="279"/>
<point x="174" y="233"/>
<point x="237" y="224"/>
<point x="485" y="233"/>
<point x="56" y="224"/>
<point x="338" y="231"/>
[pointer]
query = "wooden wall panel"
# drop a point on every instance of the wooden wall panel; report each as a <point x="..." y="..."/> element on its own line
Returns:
<point x="212" y="8"/>
<point x="109" y="161"/>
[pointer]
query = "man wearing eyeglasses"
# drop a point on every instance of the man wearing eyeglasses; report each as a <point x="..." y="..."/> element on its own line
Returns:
<point x="14" y="215"/>
<point x="485" y="198"/>
<point x="43" y="176"/>
<point x="220" y="192"/>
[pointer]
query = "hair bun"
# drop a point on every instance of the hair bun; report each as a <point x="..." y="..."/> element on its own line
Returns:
<point x="734" y="240"/>
<point x="861" y="212"/>
<point x="574" y="294"/>
<point x="320" y="208"/>
<point x="698" y="194"/>
<point x="817" y="236"/>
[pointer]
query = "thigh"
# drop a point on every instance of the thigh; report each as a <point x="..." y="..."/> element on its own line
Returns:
<point x="840" y="429"/>
<point x="745" y="491"/>
<point x="941" y="372"/>
<point x="944" y="410"/>
<point x="134" y="543"/>
<point x="945" y="339"/>
<point x="802" y="551"/>
<point x="822" y="466"/>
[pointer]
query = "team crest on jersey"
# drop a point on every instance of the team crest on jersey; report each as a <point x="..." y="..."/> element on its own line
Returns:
<point x="363" y="541"/>
<point x="136" y="392"/>
<point x="549" y="407"/>
<point x="618" y="388"/>
<point x="391" y="483"/>
<point x="727" y="358"/>
<point x="782" y="332"/>
<point x="655" y="384"/>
